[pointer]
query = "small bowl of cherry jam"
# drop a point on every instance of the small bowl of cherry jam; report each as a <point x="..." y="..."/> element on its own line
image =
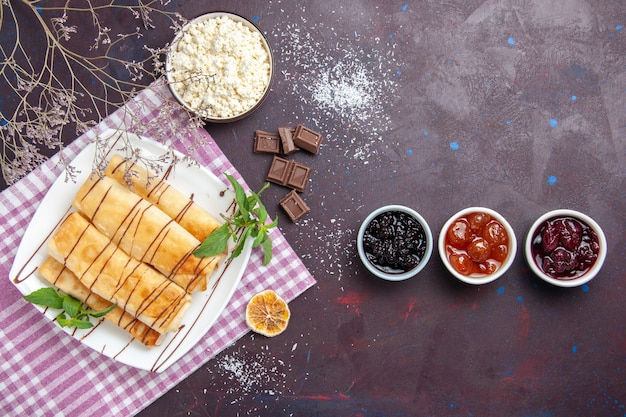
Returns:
<point x="477" y="245"/>
<point x="565" y="248"/>
<point x="394" y="242"/>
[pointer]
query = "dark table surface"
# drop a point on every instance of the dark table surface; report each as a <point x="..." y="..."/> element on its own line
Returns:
<point x="515" y="106"/>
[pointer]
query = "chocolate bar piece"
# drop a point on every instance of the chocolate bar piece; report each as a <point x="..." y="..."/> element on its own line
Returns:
<point x="307" y="139"/>
<point x="286" y="138"/>
<point x="289" y="173"/>
<point x="298" y="176"/>
<point x="294" y="206"/>
<point x="266" y="142"/>
<point x="279" y="170"/>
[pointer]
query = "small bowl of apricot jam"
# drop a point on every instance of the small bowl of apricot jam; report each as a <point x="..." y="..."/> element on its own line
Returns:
<point x="565" y="248"/>
<point x="477" y="245"/>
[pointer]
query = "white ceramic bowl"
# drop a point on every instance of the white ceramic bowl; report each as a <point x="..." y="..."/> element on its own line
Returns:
<point x="478" y="279"/>
<point x="174" y="74"/>
<point x="583" y="218"/>
<point x="395" y="276"/>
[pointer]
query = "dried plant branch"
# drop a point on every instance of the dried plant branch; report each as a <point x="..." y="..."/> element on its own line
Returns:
<point x="68" y="83"/>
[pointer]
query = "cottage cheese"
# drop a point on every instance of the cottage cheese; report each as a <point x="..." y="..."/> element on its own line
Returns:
<point x="219" y="67"/>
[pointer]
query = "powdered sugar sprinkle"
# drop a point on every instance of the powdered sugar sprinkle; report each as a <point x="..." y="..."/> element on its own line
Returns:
<point x="345" y="94"/>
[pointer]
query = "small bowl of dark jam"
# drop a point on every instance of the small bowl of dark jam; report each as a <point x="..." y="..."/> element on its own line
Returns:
<point x="477" y="245"/>
<point x="394" y="242"/>
<point x="565" y="248"/>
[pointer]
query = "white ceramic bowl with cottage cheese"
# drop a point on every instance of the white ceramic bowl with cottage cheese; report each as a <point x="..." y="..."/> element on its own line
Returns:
<point x="219" y="66"/>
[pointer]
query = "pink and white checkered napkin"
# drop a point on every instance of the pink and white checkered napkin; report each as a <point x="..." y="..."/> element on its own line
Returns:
<point x="43" y="371"/>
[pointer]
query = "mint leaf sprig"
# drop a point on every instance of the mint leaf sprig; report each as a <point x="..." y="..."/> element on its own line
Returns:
<point x="248" y="222"/>
<point x="73" y="314"/>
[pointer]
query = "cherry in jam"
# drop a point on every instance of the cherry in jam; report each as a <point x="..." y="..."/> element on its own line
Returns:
<point x="476" y="244"/>
<point x="394" y="242"/>
<point x="564" y="247"/>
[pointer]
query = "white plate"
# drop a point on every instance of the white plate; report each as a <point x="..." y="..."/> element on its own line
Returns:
<point x="208" y="191"/>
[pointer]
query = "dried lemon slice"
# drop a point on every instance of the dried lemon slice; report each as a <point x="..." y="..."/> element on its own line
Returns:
<point x="267" y="313"/>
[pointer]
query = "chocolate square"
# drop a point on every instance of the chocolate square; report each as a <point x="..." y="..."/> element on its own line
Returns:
<point x="298" y="177"/>
<point x="279" y="170"/>
<point x="286" y="138"/>
<point x="265" y="142"/>
<point x="307" y="139"/>
<point x="294" y="206"/>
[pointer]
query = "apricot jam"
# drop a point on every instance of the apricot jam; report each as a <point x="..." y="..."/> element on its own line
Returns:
<point x="564" y="247"/>
<point x="476" y="244"/>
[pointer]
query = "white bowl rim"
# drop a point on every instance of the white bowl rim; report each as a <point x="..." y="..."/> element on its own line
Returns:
<point x="238" y="18"/>
<point x="405" y="275"/>
<point x="503" y="267"/>
<point x="586" y="277"/>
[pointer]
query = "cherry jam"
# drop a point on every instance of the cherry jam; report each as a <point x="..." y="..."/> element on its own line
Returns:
<point x="394" y="242"/>
<point x="565" y="248"/>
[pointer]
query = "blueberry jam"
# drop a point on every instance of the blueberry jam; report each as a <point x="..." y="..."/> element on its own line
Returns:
<point x="394" y="242"/>
<point x="565" y="248"/>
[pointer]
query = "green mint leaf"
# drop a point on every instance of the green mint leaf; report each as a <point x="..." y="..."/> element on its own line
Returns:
<point x="265" y="187"/>
<point x="82" y="324"/>
<point x="104" y="312"/>
<point x="240" y="243"/>
<point x="72" y="306"/>
<point x="73" y="322"/>
<point x="248" y="220"/>
<point x="273" y="224"/>
<point x="262" y="215"/>
<point x="240" y="197"/>
<point x="215" y="243"/>
<point x="239" y="222"/>
<point x="78" y="317"/>
<point x="252" y="206"/>
<point x="267" y="249"/>
<point x="261" y="212"/>
<point x="64" y="321"/>
<point x="47" y="297"/>
<point x="260" y="236"/>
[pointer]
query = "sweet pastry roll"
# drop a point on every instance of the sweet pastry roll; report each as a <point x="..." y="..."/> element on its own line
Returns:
<point x="109" y="272"/>
<point x="61" y="277"/>
<point x="195" y="219"/>
<point x="144" y="232"/>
